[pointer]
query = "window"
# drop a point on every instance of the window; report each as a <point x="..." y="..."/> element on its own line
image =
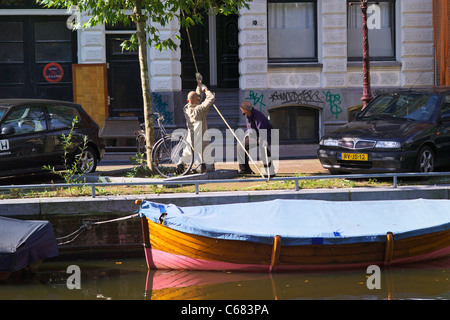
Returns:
<point x="53" y="42"/>
<point x="61" y="116"/>
<point x="292" y="31"/>
<point x="419" y="107"/>
<point x="11" y="42"/>
<point x="296" y="123"/>
<point x="26" y="119"/>
<point x="445" y="111"/>
<point x="381" y="25"/>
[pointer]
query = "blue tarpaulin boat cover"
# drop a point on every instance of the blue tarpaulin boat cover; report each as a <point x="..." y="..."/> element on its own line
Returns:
<point x="303" y="222"/>
<point x="25" y="241"/>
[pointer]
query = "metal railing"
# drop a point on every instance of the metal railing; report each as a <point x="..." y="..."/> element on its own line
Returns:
<point x="197" y="183"/>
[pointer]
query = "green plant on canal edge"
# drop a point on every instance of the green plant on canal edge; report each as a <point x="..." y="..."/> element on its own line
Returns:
<point x="71" y="170"/>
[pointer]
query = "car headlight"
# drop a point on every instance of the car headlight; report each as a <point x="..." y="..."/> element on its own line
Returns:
<point x="329" y="142"/>
<point x="388" y="144"/>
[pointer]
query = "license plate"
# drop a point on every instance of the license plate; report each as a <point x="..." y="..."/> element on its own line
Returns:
<point x="354" y="156"/>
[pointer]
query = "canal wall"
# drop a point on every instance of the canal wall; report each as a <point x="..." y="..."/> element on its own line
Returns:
<point x="120" y="239"/>
<point x="126" y="204"/>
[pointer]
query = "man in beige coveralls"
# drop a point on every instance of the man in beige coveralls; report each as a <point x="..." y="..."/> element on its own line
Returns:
<point x="195" y="114"/>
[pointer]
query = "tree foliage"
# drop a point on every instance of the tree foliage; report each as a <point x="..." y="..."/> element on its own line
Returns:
<point x="113" y="12"/>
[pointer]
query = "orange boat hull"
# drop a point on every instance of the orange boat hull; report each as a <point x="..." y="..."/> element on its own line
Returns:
<point x="166" y="248"/>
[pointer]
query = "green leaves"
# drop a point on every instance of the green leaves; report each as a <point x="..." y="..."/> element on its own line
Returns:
<point x="160" y="12"/>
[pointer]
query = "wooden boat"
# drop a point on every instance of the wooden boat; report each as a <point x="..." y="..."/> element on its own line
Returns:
<point x="287" y="235"/>
<point x="24" y="244"/>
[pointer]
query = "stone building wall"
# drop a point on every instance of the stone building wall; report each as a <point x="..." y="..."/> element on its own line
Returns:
<point x="333" y="84"/>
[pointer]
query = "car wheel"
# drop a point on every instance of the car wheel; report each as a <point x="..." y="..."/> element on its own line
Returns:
<point x="88" y="161"/>
<point x="425" y="160"/>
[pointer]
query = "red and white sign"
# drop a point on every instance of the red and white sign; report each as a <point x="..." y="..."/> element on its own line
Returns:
<point x="53" y="72"/>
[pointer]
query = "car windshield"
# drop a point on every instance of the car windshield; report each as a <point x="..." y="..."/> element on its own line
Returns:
<point x="2" y="111"/>
<point x="418" y="107"/>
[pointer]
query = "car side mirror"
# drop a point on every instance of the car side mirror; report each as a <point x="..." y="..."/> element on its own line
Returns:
<point x="8" y="130"/>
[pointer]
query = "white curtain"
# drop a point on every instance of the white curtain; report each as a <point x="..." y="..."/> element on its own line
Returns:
<point x="380" y="40"/>
<point x="291" y="30"/>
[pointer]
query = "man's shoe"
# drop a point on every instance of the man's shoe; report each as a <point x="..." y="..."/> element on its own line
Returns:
<point x="180" y="168"/>
<point x="246" y="171"/>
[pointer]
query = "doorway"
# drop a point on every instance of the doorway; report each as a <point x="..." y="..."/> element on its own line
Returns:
<point x="36" y="57"/>
<point x="124" y="80"/>
<point x="215" y="45"/>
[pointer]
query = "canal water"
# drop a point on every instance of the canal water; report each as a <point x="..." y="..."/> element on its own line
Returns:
<point x="129" y="279"/>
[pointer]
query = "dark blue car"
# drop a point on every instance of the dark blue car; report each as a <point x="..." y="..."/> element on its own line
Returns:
<point x="31" y="136"/>
<point x="397" y="132"/>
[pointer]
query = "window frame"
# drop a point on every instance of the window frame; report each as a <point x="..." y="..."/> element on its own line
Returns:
<point x="316" y="47"/>
<point x="393" y="33"/>
<point x="292" y="110"/>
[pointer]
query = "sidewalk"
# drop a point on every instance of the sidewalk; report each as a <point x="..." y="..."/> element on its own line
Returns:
<point x="293" y="159"/>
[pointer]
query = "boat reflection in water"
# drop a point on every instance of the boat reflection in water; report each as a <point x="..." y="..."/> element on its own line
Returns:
<point x="131" y="279"/>
<point x="417" y="281"/>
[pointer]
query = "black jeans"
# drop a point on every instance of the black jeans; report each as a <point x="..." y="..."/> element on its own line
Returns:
<point x="244" y="165"/>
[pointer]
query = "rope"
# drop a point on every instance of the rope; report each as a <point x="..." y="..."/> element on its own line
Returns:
<point x="117" y="219"/>
<point x="79" y="231"/>
<point x="88" y="225"/>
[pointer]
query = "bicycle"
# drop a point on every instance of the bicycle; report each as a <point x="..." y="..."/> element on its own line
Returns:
<point x="167" y="151"/>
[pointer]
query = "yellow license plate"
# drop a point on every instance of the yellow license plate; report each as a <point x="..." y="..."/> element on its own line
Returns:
<point x="354" y="156"/>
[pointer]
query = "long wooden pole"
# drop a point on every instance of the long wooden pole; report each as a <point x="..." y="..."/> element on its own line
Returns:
<point x="239" y="141"/>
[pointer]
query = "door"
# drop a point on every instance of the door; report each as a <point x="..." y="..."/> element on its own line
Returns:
<point x="215" y="45"/>
<point x="36" y="57"/>
<point x="442" y="139"/>
<point x="227" y="51"/>
<point x="124" y="79"/>
<point x="60" y="123"/>
<point x="199" y="38"/>
<point x="26" y="146"/>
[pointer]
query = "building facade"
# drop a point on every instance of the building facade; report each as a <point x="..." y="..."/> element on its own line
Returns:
<point x="299" y="62"/>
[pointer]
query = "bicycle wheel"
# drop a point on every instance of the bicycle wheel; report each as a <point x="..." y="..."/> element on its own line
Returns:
<point x="140" y="145"/>
<point x="172" y="156"/>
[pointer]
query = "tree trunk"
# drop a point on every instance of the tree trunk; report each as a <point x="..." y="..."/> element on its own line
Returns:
<point x="145" y="83"/>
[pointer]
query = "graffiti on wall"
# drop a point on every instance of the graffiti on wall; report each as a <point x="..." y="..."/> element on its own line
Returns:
<point x="300" y="97"/>
<point x="332" y="100"/>
<point x="160" y="106"/>
<point x="256" y="99"/>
